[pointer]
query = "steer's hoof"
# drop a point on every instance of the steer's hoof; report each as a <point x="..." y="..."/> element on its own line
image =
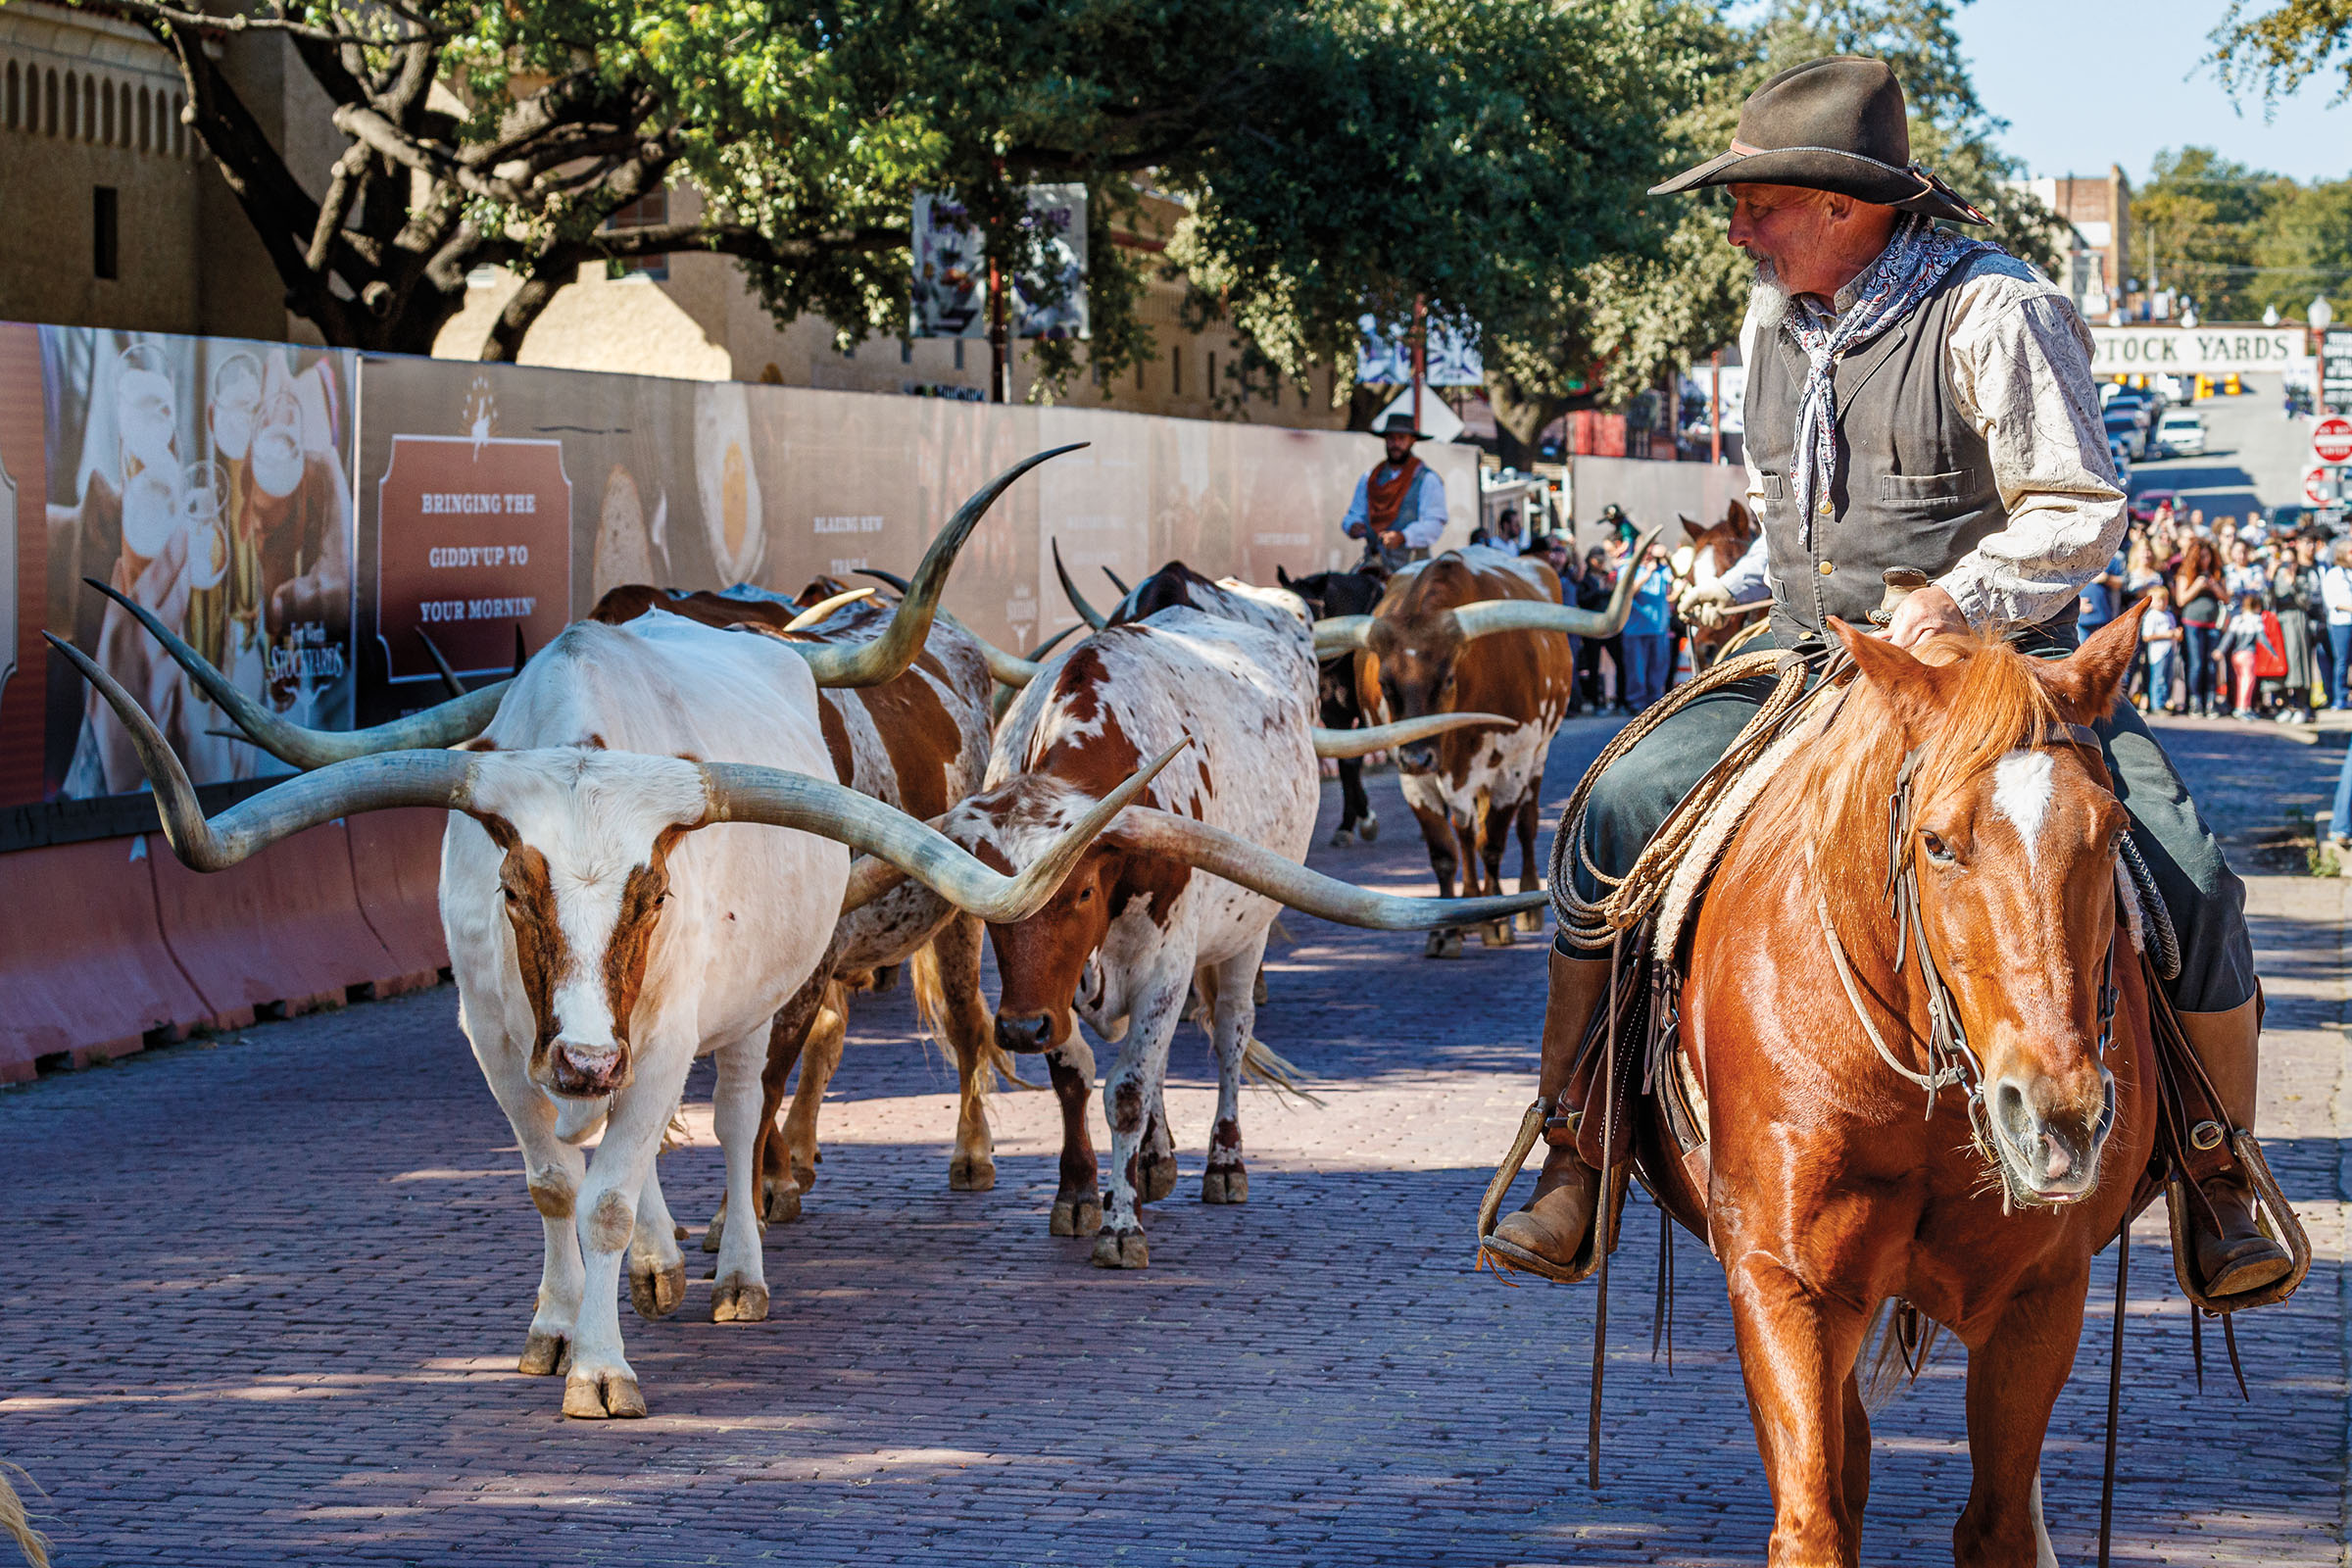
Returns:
<point x="1342" y="839"/>
<point x="1076" y="1217"/>
<point x="588" y="1396"/>
<point x="656" y="1293"/>
<point x="1369" y="828"/>
<point x="542" y="1354"/>
<point x="1154" y="1176"/>
<point x="783" y="1202"/>
<point x="1496" y="934"/>
<point x="1122" y="1249"/>
<point x="1447" y="944"/>
<point x="971" y="1173"/>
<point x="1230" y="1186"/>
<point x="805" y="1176"/>
<point x="739" y="1302"/>
<point x="1530" y="921"/>
<point x="718" y="1228"/>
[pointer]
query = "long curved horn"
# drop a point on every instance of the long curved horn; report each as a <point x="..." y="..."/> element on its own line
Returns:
<point x="458" y="720"/>
<point x="1008" y="670"/>
<point x="886" y="657"/>
<point x="889" y="579"/>
<point x="823" y="611"/>
<point x="1340" y="634"/>
<point x="1404" y="732"/>
<point x="1261" y="871"/>
<point x="432" y="779"/>
<point x="741" y="792"/>
<point x="1490" y="615"/>
<point x="1086" y="611"/>
<point x="1123" y="589"/>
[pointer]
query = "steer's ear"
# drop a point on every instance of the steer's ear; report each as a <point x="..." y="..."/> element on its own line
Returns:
<point x="2090" y="679"/>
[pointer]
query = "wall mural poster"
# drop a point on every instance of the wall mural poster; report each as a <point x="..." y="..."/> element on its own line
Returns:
<point x="208" y="479"/>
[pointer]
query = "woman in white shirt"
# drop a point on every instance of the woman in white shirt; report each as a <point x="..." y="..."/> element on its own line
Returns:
<point x="2336" y="592"/>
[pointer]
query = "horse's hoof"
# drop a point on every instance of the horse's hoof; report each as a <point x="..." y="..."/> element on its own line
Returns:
<point x="1496" y="934"/>
<point x="970" y="1173"/>
<point x="1080" y="1217"/>
<point x="1342" y="839"/>
<point x="542" y="1353"/>
<point x="739" y="1302"/>
<point x="1155" y="1179"/>
<point x="588" y="1396"/>
<point x="1122" y="1249"/>
<point x="1446" y="944"/>
<point x="1369" y="828"/>
<point x="1230" y="1186"/>
<point x="656" y="1293"/>
<point x="783" y="1202"/>
<point x="1530" y="921"/>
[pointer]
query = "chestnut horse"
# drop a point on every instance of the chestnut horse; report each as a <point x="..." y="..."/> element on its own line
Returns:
<point x="1712" y="552"/>
<point x="1826" y="1185"/>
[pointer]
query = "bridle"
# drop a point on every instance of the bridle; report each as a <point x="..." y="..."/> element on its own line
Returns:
<point x="1951" y="1061"/>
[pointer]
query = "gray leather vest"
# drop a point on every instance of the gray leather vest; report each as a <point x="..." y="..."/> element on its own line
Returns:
<point x="1914" y="482"/>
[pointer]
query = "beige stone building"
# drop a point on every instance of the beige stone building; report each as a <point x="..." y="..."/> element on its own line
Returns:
<point x="119" y="220"/>
<point x="691" y="317"/>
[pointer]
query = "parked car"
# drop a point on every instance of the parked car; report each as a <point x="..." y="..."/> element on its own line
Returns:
<point x="2181" y="433"/>
<point x="2123" y="459"/>
<point x="2143" y="505"/>
<point x="2139" y="405"/>
<point x="2124" y="426"/>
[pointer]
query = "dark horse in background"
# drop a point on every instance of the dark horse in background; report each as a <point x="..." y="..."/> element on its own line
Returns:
<point x="1344" y="593"/>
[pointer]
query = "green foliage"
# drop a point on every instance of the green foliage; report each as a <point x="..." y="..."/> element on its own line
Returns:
<point x="2274" y="50"/>
<point x="2236" y="239"/>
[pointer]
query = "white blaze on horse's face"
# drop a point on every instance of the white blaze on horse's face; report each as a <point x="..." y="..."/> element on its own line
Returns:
<point x="2022" y="783"/>
<point x="585" y="837"/>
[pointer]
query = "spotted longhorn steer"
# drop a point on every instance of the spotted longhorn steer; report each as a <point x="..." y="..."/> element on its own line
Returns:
<point x="1474" y="629"/>
<point x="918" y="742"/>
<point x="1228" y="669"/>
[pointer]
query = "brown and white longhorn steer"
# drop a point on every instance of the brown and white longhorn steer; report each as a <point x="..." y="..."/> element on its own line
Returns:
<point x="1230" y="670"/>
<point x="1477" y="629"/>
<point x="919" y="743"/>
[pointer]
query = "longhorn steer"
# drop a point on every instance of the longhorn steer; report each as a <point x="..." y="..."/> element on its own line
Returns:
<point x="1228" y="669"/>
<point x="1475" y="629"/>
<point x="918" y="742"/>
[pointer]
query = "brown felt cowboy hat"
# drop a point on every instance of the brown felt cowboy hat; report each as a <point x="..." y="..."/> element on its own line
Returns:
<point x="1401" y="425"/>
<point x="1835" y="124"/>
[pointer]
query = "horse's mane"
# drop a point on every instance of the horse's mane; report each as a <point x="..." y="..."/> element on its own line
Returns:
<point x="1992" y="702"/>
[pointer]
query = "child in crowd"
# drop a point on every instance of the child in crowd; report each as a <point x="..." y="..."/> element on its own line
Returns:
<point x="2241" y="637"/>
<point x="2160" y="636"/>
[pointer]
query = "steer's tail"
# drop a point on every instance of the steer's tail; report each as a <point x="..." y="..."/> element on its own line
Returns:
<point x="931" y="1017"/>
<point x="17" y="1525"/>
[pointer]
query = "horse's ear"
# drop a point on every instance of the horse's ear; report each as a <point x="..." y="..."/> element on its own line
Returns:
<point x="1740" y="521"/>
<point x="1900" y="678"/>
<point x="1690" y="528"/>
<point x="2091" y="678"/>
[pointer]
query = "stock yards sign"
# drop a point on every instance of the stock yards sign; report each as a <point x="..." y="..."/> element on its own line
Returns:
<point x="2146" y="350"/>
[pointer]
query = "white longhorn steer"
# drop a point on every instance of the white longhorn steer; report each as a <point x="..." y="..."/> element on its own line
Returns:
<point x="601" y="942"/>
<point x="1229" y="668"/>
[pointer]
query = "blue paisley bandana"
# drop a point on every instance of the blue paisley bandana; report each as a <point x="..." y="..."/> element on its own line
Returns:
<point x="1913" y="263"/>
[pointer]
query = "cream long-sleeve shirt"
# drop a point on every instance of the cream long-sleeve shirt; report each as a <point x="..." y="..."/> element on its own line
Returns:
<point x="2019" y="358"/>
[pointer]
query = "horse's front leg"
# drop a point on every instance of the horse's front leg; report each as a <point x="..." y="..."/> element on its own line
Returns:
<point x="1796" y="1353"/>
<point x="2016" y="1364"/>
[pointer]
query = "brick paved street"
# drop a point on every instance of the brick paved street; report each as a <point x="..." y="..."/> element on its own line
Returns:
<point x="263" y="1299"/>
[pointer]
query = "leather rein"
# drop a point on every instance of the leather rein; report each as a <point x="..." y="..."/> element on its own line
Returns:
<point x="1951" y="1061"/>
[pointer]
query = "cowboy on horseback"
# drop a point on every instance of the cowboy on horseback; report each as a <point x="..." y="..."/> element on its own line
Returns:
<point x="1921" y="401"/>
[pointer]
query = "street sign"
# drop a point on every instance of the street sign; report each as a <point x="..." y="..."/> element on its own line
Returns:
<point x="2331" y="439"/>
<point x="2318" y="486"/>
<point x="2335" y="368"/>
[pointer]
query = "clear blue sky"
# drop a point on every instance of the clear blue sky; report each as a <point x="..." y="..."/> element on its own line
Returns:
<point x="2084" y="83"/>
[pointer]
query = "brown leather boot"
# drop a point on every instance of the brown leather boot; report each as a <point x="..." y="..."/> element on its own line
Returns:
<point x="1549" y="1235"/>
<point x="2232" y="1253"/>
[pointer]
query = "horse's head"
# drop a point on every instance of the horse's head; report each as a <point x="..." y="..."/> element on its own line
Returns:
<point x="2012" y="835"/>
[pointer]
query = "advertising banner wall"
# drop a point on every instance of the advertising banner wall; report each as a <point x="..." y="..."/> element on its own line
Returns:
<point x="308" y="519"/>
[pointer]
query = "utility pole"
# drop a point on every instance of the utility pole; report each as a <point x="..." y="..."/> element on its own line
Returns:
<point x="998" y="378"/>
<point x="1420" y="352"/>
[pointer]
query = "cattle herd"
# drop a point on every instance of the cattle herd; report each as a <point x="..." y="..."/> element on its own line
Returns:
<point x="694" y="822"/>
